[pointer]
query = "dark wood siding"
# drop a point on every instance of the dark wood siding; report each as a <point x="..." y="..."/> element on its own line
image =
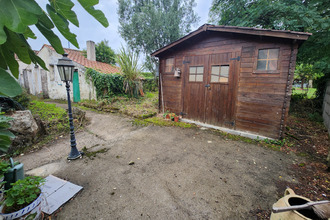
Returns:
<point x="256" y="99"/>
<point x="171" y="88"/>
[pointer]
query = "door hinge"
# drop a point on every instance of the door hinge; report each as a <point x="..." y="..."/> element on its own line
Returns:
<point x="237" y="58"/>
<point x="184" y="62"/>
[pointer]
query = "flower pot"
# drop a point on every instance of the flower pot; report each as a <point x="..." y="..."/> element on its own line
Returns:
<point x="31" y="212"/>
<point x="176" y="118"/>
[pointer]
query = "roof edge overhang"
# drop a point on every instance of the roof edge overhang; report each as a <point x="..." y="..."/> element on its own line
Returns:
<point x="301" y="36"/>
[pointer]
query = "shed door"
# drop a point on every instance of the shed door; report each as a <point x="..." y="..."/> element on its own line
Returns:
<point x="210" y="96"/>
<point x="195" y="74"/>
<point x="221" y="89"/>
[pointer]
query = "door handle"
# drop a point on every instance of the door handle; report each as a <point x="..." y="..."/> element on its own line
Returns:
<point x="208" y="86"/>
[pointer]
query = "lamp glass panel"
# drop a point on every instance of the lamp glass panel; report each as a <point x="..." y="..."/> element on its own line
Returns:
<point x="61" y="72"/>
<point x="68" y="72"/>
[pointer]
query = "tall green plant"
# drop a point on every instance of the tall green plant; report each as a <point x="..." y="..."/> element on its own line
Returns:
<point x="5" y="135"/>
<point x="131" y="71"/>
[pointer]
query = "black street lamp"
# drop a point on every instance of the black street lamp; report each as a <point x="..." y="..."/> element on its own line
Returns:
<point x="65" y="68"/>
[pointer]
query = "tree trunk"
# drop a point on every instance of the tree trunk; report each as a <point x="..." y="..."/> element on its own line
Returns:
<point x="302" y="84"/>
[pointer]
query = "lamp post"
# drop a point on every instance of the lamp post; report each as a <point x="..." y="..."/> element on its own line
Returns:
<point x="65" y="68"/>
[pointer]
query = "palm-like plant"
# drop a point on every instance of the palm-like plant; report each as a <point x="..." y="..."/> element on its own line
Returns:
<point x="128" y="62"/>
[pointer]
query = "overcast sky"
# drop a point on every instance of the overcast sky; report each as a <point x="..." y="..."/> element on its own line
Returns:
<point x="90" y="29"/>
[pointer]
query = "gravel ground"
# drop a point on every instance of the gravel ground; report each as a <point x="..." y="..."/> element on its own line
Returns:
<point x="177" y="173"/>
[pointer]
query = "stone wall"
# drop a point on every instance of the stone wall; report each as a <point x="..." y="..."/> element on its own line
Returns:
<point x="326" y="107"/>
<point x="48" y="83"/>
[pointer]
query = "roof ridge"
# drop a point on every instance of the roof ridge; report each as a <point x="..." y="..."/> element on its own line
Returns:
<point x="77" y="56"/>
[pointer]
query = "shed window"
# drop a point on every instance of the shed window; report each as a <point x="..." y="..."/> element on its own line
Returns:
<point x="219" y="73"/>
<point x="267" y="59"/>
<point x="196" y="73"/>
<point x="169" y="65"/>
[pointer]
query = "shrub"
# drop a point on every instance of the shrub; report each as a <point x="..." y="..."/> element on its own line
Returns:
<point x="55" y="118"/>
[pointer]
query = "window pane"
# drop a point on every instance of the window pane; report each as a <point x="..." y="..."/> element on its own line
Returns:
<point x="224" y="71"/>
<point x="261" y="65"/>
<point x="262" y="54"/>
<point x="200" y="70"/>
<point x="199" y="78"/>
<point x="169" y="65"/>
<point x="192" y="70"/>
<point x="169" y="61"/>
<point x="272" y="65"/>
<point x="214" y="78"/>
<point x="223" y="79"/>
<point x="215" y="70"/>
<point x="192" y="78"/>
<point x="273" y="53"/>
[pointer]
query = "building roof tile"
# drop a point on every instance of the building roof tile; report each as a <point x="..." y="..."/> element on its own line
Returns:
<point x="78" y="57"/>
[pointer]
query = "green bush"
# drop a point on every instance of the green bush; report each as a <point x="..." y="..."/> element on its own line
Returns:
<point x="106" y="85"/>
<point x="149" y="85"/>
<point x="55" y="118"/>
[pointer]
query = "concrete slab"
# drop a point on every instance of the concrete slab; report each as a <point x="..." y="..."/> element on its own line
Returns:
<point x="56" y="193"/>
<point x="227" y="130"/>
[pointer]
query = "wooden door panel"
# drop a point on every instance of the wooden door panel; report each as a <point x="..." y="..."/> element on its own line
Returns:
<point x="194" y="92"/>
<point x="221" y="96"/>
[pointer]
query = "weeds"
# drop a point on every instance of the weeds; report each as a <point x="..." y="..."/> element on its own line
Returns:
<point x="55" y="118"/>
<point x="161" y="122"/>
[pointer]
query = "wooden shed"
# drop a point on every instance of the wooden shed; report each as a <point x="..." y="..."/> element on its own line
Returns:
<point x="234" y="77"/>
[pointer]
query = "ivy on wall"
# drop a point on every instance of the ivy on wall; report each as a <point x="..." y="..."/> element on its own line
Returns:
<point x="106" y="85"/>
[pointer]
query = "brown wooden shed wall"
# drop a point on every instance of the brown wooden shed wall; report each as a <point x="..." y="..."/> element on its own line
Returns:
<point x="260" y="97"/>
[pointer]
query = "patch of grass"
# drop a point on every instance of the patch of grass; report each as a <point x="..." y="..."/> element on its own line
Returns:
<point x="141" y="107"/>
<point x="161" y="122"/>
<point x="92" y="154"/>
<point x="54" y="118"/>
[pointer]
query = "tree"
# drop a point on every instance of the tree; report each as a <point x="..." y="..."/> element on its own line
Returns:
<point x="16" y="17"/>
<point x="103" y="53"/>
<point x="128" y="62"/>
<point x="297" y="15"/>
<point x="147" y="25"/>
<point x="305" y="72"/>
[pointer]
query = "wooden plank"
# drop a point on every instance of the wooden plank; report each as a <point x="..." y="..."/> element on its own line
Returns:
<point x="252" y="97"/>
<point x="271" y="79"/>
<point x="268" y="131"/>
<point x="264" y="108"/>
<point x="258" y="120"/>
<point x="247" y="65"/>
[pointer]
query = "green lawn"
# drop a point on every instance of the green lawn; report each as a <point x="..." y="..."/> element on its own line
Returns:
<point x="310" y="92"/>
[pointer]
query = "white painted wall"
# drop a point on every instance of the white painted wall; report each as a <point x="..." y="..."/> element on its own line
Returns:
<point x="56" y="88"/>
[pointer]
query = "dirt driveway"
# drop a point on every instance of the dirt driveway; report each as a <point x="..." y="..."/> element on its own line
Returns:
<point x="177" y="173"/>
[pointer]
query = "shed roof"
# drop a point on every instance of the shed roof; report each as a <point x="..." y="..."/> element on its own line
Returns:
<point x="239" y="30"/>
<point x="78" y="57"/>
